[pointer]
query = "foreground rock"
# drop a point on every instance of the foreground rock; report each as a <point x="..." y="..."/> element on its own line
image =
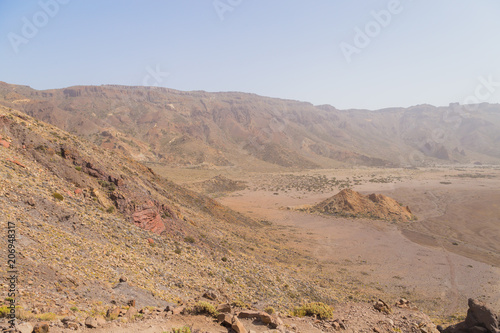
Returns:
<point x="237" y="326"/>
<point x="94" y="322"/>
<point x="25" y="328"/>
<point x="381" y="306"/>
<point x="224" y="308"/>
<point x="346" y="317"/>
<point x="41" y="328"/>
<point x="480" y="319"/>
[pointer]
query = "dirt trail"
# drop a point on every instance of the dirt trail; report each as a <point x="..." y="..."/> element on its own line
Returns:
<point x="440" y="210"/>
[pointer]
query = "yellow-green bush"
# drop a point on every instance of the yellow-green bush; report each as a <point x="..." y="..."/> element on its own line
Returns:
<point x="240" y="304"/>
<point x="4" y="311"/>
<point x="184" y="329"/>
<point x="319" y="309"/>
<point x="189" y="239"/>
<point x="270" y="310"/>
<point x="58" y="196"/>
<point x="205" y="308"/>
<point x="48" y="316"/>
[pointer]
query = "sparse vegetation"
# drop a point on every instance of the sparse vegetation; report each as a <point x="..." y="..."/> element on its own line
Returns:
<point x="205" y="308"/>
<point x="270" y="310"/>
<point x="20" y="312"/>
<point x="240" y="304"/>
<point x="189" y="239"/>
<point x="109" y="186"/>
<point x="184" y="329"/>
<point x="4" y="311"/>
<point x="385" y="180"/>
<point x="319" y="309"/>
<point x="474" y="175"/>
<point x="303" y="183"/>
<point x="57" y="196"/>
<point x="48" y="316"/>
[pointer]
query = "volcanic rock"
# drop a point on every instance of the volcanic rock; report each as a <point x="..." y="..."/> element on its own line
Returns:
<point x="41" y="328"/>
<point x="349" y="203"/>
<point x="479" y="318"/>
<point x="237" y="326"/>
<point x="225" y="319"/>
<point x="148" y="217"/>
<point x="210" y="294"/>
<point x="224" y="308"/>
<point x="91" y="322"/>
<point x="382" y="306"/>
<point x="25" y="328"/>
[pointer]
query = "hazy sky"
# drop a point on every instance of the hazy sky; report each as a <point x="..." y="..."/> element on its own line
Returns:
<point x="350" y="54"/>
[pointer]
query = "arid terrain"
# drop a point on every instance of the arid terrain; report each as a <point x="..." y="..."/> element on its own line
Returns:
<point x="167" y="217"/>
<point x="448" y="254"/>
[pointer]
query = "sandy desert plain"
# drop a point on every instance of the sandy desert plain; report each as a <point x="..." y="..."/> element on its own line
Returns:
<point x="450" y="253"/>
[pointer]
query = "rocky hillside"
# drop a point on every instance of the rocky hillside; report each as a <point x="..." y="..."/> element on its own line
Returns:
<point x="100" y="235"/>
<point x="102" y="243"/>
<point x="94" y="226"/>
<point x="349" y="203"/>
<point x="250" y="131"/>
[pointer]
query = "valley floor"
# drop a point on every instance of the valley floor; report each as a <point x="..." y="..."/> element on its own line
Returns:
<point x="449" y="254"/>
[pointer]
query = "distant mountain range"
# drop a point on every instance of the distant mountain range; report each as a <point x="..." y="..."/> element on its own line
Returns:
<point x="250" y="131"/>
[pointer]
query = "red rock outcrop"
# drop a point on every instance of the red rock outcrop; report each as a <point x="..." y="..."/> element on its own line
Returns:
<point x="148" y="217"/>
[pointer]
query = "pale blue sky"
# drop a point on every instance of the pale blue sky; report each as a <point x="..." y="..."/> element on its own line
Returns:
<point x="430" y="51"/>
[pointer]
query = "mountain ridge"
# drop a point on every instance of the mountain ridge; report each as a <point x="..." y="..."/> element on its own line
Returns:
<point x="236" y="129"/>
<point x="96" y="226"/>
